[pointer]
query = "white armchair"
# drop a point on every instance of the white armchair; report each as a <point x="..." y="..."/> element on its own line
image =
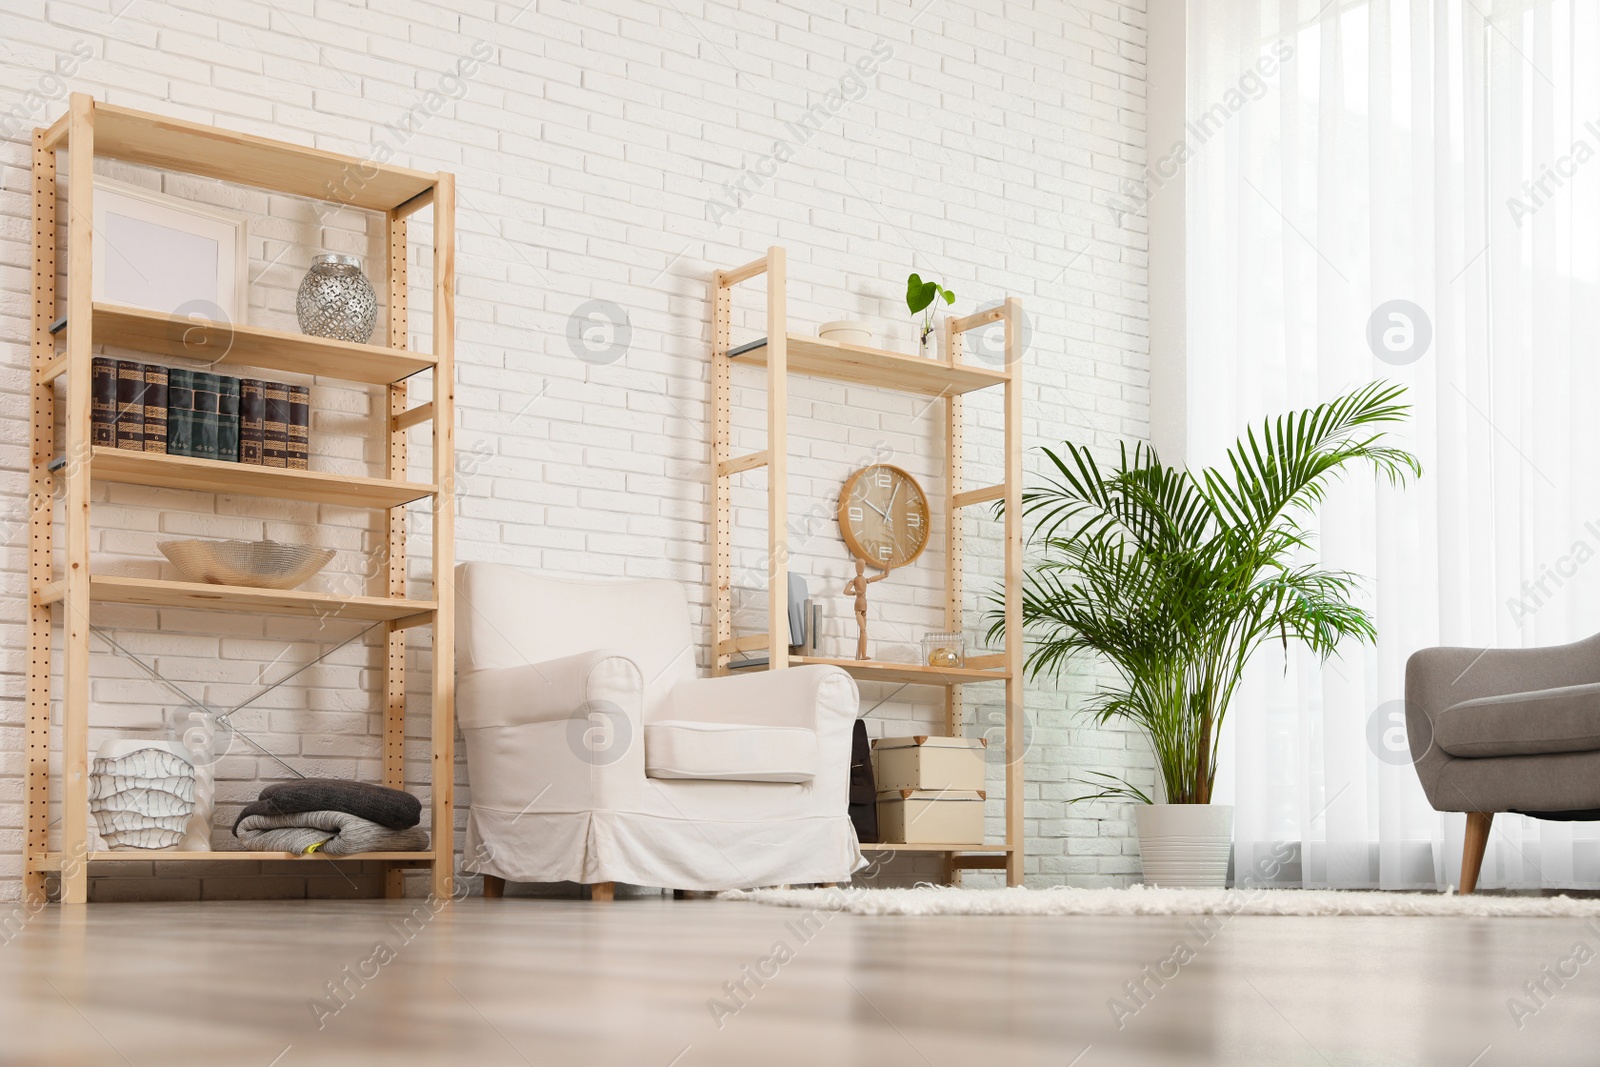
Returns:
<point x="594" y="754"/>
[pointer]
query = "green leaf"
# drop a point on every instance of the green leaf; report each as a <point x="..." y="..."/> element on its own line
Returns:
<point x="919" y="294"/>
<point x="949" y="297"/>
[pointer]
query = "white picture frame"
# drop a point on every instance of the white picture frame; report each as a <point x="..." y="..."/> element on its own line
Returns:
<point x="166" y="254"/>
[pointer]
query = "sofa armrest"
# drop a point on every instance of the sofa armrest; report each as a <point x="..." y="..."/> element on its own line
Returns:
<point x="811" y="697"/>
<point x="550" y="691"/>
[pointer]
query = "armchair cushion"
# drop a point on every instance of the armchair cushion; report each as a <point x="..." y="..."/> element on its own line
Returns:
<point x="812" y="697"/>
<point x="729" y="752"/>
<point x="1539" y="722"/>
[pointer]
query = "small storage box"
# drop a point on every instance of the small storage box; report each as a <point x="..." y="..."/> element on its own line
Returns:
<point x="928" y="763"/>
<point x="923" y="816"/>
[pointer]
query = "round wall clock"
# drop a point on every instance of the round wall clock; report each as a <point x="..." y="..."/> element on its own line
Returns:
<point x="883" y="514"/>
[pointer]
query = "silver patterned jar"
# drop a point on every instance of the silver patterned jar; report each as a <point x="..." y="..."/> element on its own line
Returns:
<point x="336" y="300"/>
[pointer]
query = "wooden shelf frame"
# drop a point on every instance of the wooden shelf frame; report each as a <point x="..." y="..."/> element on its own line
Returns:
<point x="89" y="129"/>
<point x="784" y="352"/>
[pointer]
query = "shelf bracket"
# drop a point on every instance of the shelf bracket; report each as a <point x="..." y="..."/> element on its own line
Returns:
<point x="978" y="496"/>
<point x="743" y="463"/>
<point x="411" y="416"/>
<point x="748" y="643"/>
<point x="726" y="278"/>
<point x="976" y="319"/>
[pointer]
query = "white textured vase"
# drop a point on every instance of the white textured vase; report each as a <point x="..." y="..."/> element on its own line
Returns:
<point x="141" y="793"/>
<point x="1185" y="846"/>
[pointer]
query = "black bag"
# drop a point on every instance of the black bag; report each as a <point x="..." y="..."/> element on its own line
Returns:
<point x="863" y="788"/>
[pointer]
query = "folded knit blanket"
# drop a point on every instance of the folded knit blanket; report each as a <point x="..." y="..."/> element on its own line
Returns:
<point x="336" y="833"/>
<point x="375" y="803"/>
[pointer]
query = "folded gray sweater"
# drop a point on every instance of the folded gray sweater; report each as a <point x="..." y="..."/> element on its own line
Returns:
<point x="332" y="833"/>
<point x="375" y="803"/>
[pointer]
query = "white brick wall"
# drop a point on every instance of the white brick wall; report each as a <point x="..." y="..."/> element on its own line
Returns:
<point x="599" y="150"/>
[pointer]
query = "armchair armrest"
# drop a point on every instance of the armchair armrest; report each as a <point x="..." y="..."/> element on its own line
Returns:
<point x="549" y="691"/>
<point x="1438" y="678"/>
<point x="812" y="697"/>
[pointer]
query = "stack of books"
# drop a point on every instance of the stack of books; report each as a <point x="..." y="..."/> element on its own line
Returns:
<point x="150" y="408"/>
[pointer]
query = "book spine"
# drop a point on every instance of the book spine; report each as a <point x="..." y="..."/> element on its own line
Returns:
<point x="103" y="396"/>
<point x="155" y="408"/>
<point x="204" y="433"/>
<point x="130" y="405"/>
<point x="299" y="427"/>
<point x="275" y="427"/>
<point x="252" y="417"/>
<point x="228" y="419"/>
<point x="180" y="412"/>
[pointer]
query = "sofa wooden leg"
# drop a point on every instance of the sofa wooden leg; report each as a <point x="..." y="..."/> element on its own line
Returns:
<point x="493" y="888"/>
<point x="1478" y="823"/>
<point x="602" y="891"/>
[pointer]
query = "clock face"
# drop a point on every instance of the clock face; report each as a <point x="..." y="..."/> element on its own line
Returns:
<point x="883" y="515"/>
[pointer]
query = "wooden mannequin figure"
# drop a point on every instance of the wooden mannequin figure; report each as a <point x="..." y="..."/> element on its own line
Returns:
<point x="857" y="587"/>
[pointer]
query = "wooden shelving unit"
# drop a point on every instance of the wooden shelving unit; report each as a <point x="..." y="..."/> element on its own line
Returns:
<point x="782" y="353"/>
<point x="90" y="129"/>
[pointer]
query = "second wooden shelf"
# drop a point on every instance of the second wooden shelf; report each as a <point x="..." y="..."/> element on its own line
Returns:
<point x="234" y="344"/>
<point x="212" y="476"/>
<point x="909" y="673"/>
<point x="155" y="592"/>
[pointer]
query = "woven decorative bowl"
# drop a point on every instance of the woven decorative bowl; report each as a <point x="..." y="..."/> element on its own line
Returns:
<point x="264" y="564"/>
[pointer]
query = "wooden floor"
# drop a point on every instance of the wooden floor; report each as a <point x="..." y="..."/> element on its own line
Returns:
<point x="520" y="982"/>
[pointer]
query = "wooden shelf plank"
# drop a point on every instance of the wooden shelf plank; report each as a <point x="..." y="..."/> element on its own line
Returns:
<point x="877" y="367"/>
<point x="152" y="592"/>
<point x="910" y="673"/>
<point x="189" y="147"/>
<point x="211" y="476"/>
<point x="227" y="344"/>
<point x="51" y="861"/>
<point x="890" y="846"/>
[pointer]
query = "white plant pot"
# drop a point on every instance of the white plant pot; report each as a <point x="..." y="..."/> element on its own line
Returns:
<point x="1185" y="846"/>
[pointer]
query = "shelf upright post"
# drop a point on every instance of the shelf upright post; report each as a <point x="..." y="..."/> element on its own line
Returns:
<point x="41" y="505"/>
<point x="444" y="635"/>
<point x="777" y="461"/>
<point x="954" y="545"/>
<point x="1015" y="836"/>
<point x="394" y="663"/>
<point x="721" y="483"/>
<point x="75" y="605"/>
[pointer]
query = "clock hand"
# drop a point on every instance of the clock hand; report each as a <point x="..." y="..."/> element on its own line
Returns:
<point x="895" y="493"/>
<point x="875" y="507"/>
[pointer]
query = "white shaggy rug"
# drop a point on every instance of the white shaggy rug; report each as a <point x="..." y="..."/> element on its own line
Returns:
<point x="1142" y="900"/>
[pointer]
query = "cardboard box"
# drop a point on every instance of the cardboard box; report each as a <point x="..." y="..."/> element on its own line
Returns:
<point x="923" y="762"/>
<point x="921" y="816"/>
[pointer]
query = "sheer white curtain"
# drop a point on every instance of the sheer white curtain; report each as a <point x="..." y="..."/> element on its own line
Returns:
<point x="1445" y="153"/>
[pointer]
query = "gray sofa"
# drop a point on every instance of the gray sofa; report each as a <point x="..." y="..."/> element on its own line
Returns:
<point x="1514" y="729"/>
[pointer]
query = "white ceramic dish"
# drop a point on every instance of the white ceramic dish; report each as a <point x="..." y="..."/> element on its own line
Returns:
<point x="846" y="331"/>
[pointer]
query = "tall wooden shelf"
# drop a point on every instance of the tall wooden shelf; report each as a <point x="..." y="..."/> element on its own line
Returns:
<point x="783" y="352"/>
<point x="63" y="333"/>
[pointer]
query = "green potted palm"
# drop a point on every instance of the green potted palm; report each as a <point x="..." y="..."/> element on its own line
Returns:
<point x="1177" y="577"/>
